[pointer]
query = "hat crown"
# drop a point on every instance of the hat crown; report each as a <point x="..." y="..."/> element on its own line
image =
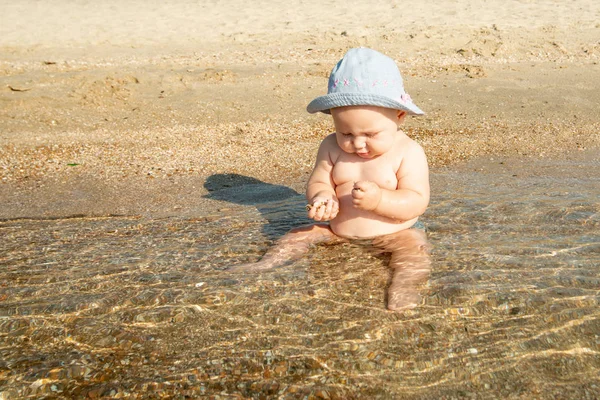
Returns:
<point x="365" y="70"/>
<point x="365" y="77"/>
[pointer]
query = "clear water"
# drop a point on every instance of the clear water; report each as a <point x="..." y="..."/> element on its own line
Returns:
<point x="132" y="307"/>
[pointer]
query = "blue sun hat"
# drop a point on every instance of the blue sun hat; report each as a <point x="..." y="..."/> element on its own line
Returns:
<point x="365" y="77"/>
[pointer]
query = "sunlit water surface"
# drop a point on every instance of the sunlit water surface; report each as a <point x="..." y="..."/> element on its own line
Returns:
<point x="137" y="307"/>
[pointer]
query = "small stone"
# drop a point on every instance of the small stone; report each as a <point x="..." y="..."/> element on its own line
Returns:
<point x="54" y="373"/>
<point x="322" y="394"/>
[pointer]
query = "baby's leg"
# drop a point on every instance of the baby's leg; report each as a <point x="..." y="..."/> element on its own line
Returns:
<point x="410" y="264"/>
<point x="290" y="247"/>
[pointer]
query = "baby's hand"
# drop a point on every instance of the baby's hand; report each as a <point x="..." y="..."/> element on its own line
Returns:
<point x="322" y="209"/>
<point x="366" y="195"/>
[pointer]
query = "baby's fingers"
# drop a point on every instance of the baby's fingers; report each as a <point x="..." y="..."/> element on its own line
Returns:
<point x="324" y="211"/>
<point x="334" y="210"/>
<point x="313" y="208"/>
<point x="358" y="193"/>
<point x="361" y="186"/>
<point x="319" y="216"/>
<point x="328" y="207"/>
<point x="319" y="212"/>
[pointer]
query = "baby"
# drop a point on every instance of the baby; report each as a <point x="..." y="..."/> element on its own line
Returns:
<point x="370" y="180"/>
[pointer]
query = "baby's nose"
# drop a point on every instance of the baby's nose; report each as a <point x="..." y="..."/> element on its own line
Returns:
<point x="360" y="142"/>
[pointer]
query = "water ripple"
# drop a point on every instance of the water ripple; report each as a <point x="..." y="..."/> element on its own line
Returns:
<point x="133" y="307"/>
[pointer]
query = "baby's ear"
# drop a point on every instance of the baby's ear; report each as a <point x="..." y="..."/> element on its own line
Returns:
<point x="401" y="116"/>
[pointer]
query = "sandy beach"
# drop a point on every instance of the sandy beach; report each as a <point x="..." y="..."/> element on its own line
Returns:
<point x="127" y="107"/>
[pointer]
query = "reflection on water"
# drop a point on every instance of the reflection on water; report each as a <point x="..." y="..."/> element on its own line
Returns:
<point x="131" y="307"/>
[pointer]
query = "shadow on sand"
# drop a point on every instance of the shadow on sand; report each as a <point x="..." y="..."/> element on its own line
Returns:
<point x="282" y="207"/>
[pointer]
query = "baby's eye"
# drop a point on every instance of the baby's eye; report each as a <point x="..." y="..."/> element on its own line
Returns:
<point x="371" y="134"/>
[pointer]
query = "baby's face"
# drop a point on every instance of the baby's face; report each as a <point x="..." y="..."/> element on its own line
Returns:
<point x="366" y="131"/>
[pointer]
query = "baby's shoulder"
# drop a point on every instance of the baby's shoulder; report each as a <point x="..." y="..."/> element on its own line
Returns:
<point x="412" y="157"/>
<point x="329" y="140"/>
<point x="406" y="145"/>
<point x="330" y="145"/>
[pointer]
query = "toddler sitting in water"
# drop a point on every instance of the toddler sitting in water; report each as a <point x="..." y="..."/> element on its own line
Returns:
<point x="370" y="180"/>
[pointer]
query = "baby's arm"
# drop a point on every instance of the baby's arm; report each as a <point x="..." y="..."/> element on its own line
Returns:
<point x="411" y="197"/>
<point x="320" y="191"/>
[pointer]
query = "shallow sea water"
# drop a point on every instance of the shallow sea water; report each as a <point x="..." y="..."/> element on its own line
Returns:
<point x="132" y="307"/>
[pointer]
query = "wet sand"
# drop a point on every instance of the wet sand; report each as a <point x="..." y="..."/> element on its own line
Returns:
<point x="129" y="108"/>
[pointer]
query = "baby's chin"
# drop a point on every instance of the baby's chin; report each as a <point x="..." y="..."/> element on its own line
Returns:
<point x="367" y="156"/>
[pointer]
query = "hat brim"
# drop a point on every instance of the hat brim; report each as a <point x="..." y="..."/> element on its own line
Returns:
<point x="333" y="100"/>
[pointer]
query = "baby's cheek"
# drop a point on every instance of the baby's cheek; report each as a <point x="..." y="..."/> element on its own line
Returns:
<point x="345" y="144"/>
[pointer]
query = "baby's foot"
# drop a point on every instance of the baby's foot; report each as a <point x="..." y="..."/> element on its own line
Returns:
<point x="400" y="299"/>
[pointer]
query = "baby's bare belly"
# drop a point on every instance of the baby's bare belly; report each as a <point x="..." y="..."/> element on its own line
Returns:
<point x="362" y="228"/>
<point x="352" y="222"/>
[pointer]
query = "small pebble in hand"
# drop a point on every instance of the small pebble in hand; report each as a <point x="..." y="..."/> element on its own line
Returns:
<point x="317" y="205"/>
